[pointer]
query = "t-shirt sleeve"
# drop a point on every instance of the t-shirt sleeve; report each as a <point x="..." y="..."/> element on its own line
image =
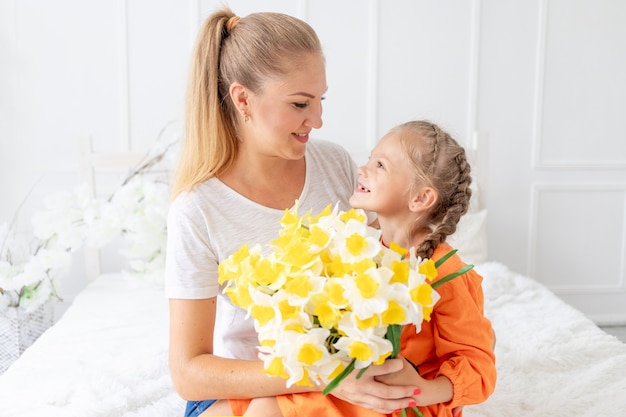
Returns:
<point x="191" y="265"/>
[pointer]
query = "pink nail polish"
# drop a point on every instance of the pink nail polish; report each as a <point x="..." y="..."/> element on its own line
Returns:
<point x="412" y="404"/>
<point x="417" y="391"/>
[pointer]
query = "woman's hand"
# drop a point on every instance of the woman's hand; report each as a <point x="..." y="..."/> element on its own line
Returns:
<point x="370" y="392"/>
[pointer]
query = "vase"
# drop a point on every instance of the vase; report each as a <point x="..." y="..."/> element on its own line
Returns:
<point x="19" y="329"/>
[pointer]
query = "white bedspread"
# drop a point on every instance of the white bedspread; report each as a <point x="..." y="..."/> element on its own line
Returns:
<point x="107" y="356"/>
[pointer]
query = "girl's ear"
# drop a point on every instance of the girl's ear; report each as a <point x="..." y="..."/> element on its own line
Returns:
<point x="424" y="200"/>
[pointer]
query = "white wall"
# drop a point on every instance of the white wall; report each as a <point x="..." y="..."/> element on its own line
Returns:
<point x="542" y="80"/>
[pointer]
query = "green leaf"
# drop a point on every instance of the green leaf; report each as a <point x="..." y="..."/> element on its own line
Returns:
<point x="445" y="258"/>
<point x="333" y="384"/>
<point x="452" y="276"/>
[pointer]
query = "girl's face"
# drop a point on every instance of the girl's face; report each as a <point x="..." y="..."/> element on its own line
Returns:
<point x="384" y="181"/>
<point x="285" y="112"/>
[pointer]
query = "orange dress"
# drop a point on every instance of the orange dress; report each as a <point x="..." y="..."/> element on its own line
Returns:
<point x="457" y="342"/>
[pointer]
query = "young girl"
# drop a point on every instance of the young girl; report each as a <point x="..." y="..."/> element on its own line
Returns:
<point x="417" y="181"/>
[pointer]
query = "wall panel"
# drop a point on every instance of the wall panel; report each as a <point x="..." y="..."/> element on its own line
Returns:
<point x="158" y="59"/>
<point x="420" y="78"/>
<point x="578" y="237"/>
<point x="348" y="46"/>
<point x="578" y="121"/>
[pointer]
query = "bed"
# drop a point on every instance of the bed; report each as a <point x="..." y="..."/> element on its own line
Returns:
<point x="107" y="355"/>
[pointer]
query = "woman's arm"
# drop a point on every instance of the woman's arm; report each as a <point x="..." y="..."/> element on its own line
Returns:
<point x="197" y="374"/>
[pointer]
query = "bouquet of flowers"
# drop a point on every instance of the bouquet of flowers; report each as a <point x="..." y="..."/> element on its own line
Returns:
<point x="330" y="298"/>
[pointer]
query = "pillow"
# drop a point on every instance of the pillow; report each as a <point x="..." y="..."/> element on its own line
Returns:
<point x="470" y="237"/>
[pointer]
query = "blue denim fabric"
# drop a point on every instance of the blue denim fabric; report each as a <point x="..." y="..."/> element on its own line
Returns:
<point x="195" y="408"/>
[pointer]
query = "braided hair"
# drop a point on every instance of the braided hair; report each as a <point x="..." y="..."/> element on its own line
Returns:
<point x="439" y="162"/>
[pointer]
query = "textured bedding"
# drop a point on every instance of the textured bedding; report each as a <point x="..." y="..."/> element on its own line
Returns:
<point x="107" y="356"/>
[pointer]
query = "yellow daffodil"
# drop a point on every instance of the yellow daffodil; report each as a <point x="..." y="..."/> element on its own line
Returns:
<point x="428" y="269"/>
<point x="358" y="215"/>
<point x="357" y="241"/>
<point x="366" y="346"/>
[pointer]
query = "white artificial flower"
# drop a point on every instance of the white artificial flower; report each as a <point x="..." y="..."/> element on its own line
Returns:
<point x="104" y="226"/>
<point x="7" y="277"/>
<point x="5" y="301"/>
<point x="29" y="271"/>
<point x="34" y="299"/>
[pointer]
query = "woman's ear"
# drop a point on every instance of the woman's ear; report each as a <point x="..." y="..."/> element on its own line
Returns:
<point x="423" y="200"/>
<point x="239" y="95"/>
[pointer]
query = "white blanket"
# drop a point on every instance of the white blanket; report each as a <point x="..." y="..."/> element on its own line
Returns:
<point x="107" y="356"/>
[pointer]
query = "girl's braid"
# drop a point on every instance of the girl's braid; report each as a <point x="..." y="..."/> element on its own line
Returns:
<point x="443" y="166"/>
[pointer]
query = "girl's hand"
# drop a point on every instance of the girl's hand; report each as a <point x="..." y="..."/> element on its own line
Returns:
<point x="370" y="392"/>
<point x="407" y="375"/>
<point x="425" y="391"/>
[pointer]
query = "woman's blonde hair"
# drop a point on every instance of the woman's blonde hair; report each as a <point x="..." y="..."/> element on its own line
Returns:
<point x="438" y="162"/>
<point x="250" y="50"/>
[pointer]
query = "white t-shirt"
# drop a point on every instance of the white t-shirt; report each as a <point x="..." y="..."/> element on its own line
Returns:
<point x="211" y="222"/>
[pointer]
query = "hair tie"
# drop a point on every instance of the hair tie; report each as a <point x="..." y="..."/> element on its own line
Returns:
<point x="232" y="22"/>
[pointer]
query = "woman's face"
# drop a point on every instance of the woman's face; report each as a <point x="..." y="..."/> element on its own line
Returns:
<point x="283" y="114"/>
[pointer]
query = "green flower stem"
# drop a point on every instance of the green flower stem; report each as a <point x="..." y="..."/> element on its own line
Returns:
<point x="361" y="372"/>
<point x="417" y="412"/>
<point x="393" y="335"/>
<point x="333" y="384"/>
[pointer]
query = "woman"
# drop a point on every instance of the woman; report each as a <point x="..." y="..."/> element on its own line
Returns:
<point x="254" y="95"/>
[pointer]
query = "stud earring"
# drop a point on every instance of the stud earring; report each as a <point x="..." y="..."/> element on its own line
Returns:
<point x="245" y="115"/>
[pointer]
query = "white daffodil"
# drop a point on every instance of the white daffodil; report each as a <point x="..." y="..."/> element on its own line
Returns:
<point x="422" y="296"/>
<point x="300" y="285"/>
<point x="366" y="346"/>
<point x="297" y="356"/>
<point x="307" y="356"/>
<point x="357" y="241"/>
<point x="368" y="291"/>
